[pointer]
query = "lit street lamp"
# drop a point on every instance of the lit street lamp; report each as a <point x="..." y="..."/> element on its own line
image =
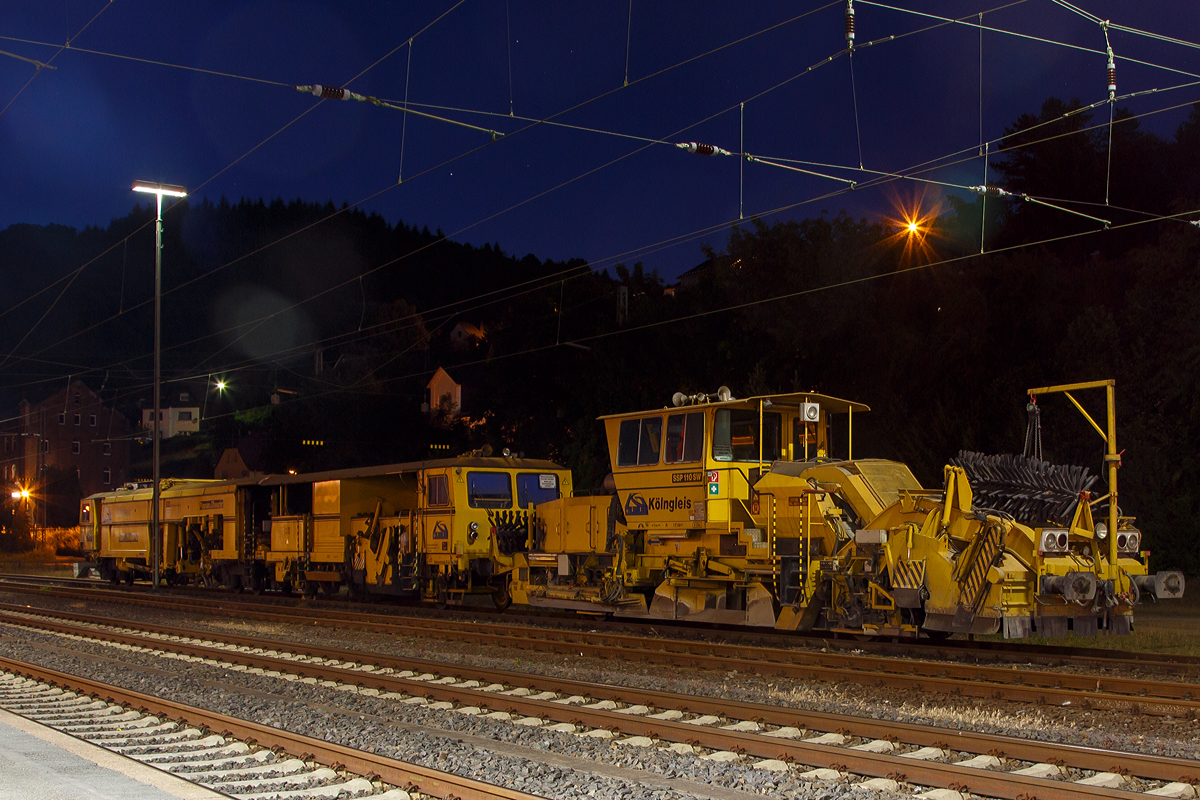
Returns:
<point x="158" y="190"/>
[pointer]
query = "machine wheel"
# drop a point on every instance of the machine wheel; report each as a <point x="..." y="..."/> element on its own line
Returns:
<point x="501" y="598"/>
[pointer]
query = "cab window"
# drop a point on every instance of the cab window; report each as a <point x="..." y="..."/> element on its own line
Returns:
<point x="436" y="491"/>
<point x="489" y="490"/>
<point x="536" y="488"/>
<point x="685" y="437"/>
<point x="639" y="441"/>
<point x="735" y="435"/>
<point x="804" y="434"/>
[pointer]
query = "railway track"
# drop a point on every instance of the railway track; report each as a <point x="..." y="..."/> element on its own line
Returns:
<point x="234" y="757"/>
<point x="829" y="745"/>
<point x="952" y="650"/>
<point x="1113" y="691"/>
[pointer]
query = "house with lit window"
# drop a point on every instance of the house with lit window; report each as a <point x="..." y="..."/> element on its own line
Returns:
<point x="177" y="416"/>
<point x="442" y="395"/>
<point x="72" y="430"/>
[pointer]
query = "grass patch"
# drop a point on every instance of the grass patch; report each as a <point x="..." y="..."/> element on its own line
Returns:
<point x="36" y="562"/>
<point x="1170" y="627"/>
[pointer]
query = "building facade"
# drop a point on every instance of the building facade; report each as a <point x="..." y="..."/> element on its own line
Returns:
<point x="70" y="431"/>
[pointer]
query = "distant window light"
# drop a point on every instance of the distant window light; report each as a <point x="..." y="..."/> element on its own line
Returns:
<point x="184" y="397"/>
<point x="75" y="447"/>
<point x="92" y="420"/>
<point x="78" y="418"/>
<point x="106" y="448"/>
<point x="62" y="419"/>
<point x="107" y="476"/>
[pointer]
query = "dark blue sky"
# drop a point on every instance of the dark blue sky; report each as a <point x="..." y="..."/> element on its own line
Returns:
<point x="73" y="140"/>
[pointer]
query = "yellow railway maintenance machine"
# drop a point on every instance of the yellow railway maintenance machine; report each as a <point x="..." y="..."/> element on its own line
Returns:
<point x="732" y="511"/>
<point x="202" y="526"/>
<point x="1086" y="572"/>
<point x="439" y="530"/>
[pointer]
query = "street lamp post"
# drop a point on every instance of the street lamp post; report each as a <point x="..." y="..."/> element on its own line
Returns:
<point x="158" y="190"/>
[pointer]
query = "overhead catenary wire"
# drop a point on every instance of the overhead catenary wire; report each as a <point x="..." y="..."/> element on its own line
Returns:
<point x="533" y="122"/>
<point x="494" y="358"/>
<point x="1124" y="28"/>
<point x="1027" y="36"/>
<point x="1112" y="94"/>
<point x="404" y="119"/>
<point x="70" y="278"/>
<point x="508" y="41"/>
<point x="886" y="176"/>
<point x="41" y="65"/>
<point x="42" y="68"/>
<point x="710" y="52"/>
<point x="628" y="40"/>
<point x="850" y="36"/>
<point x="339" y="93"/>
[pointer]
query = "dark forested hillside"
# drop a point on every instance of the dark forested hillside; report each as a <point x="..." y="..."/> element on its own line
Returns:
<point x="344" y="317"/>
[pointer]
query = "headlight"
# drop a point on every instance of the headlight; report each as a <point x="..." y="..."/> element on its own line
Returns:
<point x="1128" y="540"/>
<point x="1054" y="540"/>
<point x="1101" y="530"/>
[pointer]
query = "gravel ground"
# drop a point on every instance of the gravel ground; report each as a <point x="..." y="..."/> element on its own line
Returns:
<point x="388" y="725"/>
<point x="547" y="763"/>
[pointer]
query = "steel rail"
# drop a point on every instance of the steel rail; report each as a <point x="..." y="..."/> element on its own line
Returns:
<point x="1086" y="758"/>
<point x="389" y="770"/>
<point x="984" y="681"/>
<point x="1002" y="651"/>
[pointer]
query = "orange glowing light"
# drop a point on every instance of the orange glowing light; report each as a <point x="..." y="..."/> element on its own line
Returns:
<point x="914" y="226"/>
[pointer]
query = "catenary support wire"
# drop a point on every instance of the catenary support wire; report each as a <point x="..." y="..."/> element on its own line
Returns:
<point x="404" y="120"/>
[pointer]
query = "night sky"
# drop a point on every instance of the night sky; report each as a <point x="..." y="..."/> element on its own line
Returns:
<point x="202" y="94"/>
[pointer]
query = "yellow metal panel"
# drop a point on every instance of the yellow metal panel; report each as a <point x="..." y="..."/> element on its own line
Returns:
<point x="123" y="540"/>
<point x="287" y="534"/>
<point x="328" y="542"/>
<point x="326" y="497"/>
<point x="123" y="512"/>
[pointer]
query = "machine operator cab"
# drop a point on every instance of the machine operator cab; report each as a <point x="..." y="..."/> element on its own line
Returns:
<point x="693" y="466"/>
<point x="685" y="478"/>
